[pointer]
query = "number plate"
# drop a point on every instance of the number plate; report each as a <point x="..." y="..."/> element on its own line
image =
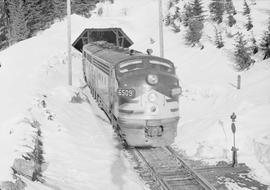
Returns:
<point x="153" y="131"/>
<point x="126" y="92"/>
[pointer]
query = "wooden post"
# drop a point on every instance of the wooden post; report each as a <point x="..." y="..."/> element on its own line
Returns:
<point x="117" y="39"/>
<point x="161" y="44"/>
<point x="238" y="82"/>
<point x="69" y="42"/>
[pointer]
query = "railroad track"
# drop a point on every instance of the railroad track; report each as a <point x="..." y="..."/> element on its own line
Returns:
<point x="163" y="169"/>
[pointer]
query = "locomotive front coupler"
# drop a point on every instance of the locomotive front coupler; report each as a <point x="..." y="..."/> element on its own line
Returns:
<point x="153" y="128"/>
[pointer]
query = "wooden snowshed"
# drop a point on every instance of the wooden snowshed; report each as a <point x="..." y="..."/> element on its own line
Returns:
<point x="111" y="35"/>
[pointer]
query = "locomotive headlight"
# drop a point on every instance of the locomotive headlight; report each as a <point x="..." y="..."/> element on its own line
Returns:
<point x="176" y="91"/>
<point x="152" y="79"/>
<point x="152" y="97"/>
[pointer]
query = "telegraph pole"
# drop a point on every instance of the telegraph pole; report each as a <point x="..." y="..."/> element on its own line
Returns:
<point x="161" y="44"/>
<point x="69" y="42"/>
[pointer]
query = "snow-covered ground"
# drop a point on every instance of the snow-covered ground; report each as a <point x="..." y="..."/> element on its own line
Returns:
<point x="80" y="148"/>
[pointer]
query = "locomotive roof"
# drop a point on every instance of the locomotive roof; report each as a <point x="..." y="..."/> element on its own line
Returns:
<point x="109" y="53"/>
<point x="113" y="55"/>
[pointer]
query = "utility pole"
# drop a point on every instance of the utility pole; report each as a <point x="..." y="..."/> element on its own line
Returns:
<point x="161" y="44"/>
<point x="69" y="42"/>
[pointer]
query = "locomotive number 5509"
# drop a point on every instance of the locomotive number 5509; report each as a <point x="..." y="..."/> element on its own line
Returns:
<point x="126" y="92"/>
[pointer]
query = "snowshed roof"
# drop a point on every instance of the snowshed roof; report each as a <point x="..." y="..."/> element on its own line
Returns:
<point x="115" y="36"/>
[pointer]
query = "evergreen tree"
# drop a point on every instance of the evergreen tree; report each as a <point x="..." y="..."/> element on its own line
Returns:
<point x="265" y="45"/>
<point x="217" y="10"/>
<point x="194" y="32"/>
<point x="17" y="19"/>
<point x="83" y="7"/>
<point x="218" y="41"/>
<point x="197" y="9"/>
<point x="167" y="21"/>
<point x="174" y="20"/>
<point x="254" y="46"/>
<point x="34" y="15"/>
<point x="170" y="4"/>
<point x="170" y="18"/>
<point x="20" y="19"/>
<point x="175" y="28"/>
<point x="3" y="26"/>
<point x="241" y="53"/>
<point x="265" y="42"/>
<point x="47" y="13"/>
<point x="230" y="9"/>
<point x="80" y="7"/>
<point x="100" y="11"/>
<point x="177" y="14"/>
<point x="187" y="14"/>
<point x="253" y="2"/>
<point x="60" y="8"/>
<point x="249" y="24"/>
<point x="246" y="12"/>
<point x="246" y="8"/>
<point x="231" y="20"/>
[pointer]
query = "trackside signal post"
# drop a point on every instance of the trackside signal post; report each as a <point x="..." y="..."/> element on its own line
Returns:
<point x="234" y="149"/>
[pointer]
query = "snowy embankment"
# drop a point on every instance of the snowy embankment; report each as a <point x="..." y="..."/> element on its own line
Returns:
<point x="79" y="146"/>
<point x="80" y="149"/>
<point x="210" y="97"/>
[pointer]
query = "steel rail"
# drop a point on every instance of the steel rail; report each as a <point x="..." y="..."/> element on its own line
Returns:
<point x="201" y="180"/>
<point x="157" y="176"/>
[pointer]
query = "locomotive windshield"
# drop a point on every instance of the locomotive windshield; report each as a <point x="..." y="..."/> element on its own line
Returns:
<point x="146" y="63"/>
<point x="161" y="65"/>
<point x="131" y="66"/>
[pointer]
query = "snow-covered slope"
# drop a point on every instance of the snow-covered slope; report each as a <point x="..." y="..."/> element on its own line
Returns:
<point x="79" y="145"/>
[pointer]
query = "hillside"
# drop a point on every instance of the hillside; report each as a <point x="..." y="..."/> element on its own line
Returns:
<point x="80" y="148"/>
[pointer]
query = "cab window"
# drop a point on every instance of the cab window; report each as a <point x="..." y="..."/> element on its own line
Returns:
<point x="161" y="65"/>
<point x="130" y="66"/>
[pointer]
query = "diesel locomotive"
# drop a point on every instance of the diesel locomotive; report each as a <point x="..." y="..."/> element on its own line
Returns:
<point x="139" y="92"/>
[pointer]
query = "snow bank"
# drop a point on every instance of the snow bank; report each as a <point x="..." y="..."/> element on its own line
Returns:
<point x="79" y="143"/>
<point x="80" y="150"/>
<point x="210" y="95"/>
<point x="16" y="139"/>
